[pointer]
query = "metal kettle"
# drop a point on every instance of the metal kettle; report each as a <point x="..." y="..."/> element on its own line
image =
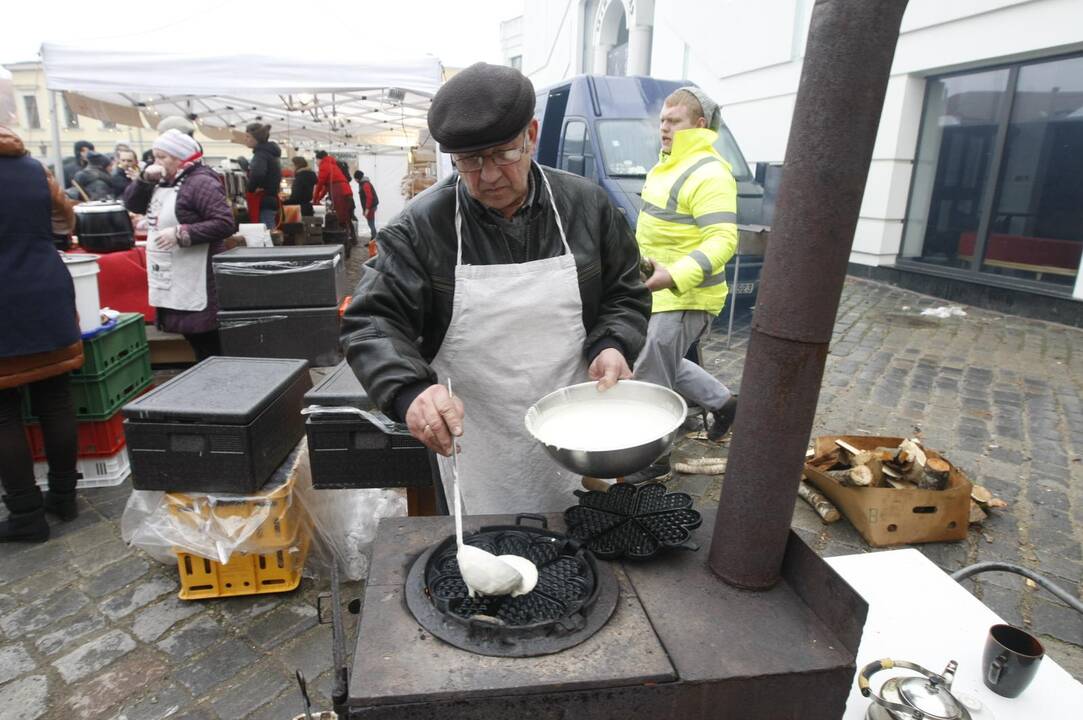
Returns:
<point x="912" y="698"/>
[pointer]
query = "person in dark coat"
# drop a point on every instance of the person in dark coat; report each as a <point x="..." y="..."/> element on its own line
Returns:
<point x="369" y="200"/>
<point x="39" y="345"/>
<point x="304" y="182"/>
<point x="76" y="162"/>
<point x="188" y="220"/>
<point x="96" y="180"/>
<point x="264" y="172"/>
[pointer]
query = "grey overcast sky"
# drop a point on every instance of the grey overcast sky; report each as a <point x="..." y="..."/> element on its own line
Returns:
<point x="458" y="32"/>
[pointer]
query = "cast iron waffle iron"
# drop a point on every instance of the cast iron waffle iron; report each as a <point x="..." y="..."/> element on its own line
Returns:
<point x="633" y="521"/>
<point x="573" y="599"/>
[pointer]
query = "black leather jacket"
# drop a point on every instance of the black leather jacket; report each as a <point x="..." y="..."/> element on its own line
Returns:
<point x="401" y="308"/>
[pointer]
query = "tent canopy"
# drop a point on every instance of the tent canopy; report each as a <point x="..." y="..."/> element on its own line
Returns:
<point x="332" y="102"/>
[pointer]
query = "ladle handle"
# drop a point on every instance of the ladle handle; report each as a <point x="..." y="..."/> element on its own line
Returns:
<point x="455" y="477"/>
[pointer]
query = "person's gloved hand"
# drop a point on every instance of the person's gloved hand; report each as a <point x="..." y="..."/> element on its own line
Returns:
<point x="609" y="367"/>
<point x="166" y="240"/>
<point x="435" y="418"/>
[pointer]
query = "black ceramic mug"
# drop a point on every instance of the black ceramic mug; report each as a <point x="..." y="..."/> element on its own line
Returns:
<point x="1011" y="660"/>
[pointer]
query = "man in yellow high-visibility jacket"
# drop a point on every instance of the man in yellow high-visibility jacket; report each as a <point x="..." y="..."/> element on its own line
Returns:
<point x="687" y="231"/>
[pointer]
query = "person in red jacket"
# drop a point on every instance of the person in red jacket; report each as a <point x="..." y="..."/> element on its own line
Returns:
<point x="331" y="181"/>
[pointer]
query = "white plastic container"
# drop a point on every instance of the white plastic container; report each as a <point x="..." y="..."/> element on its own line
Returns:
<point x="255" y="234"/>
<point x="84" y="273"/>
<point x="97" y="472"/>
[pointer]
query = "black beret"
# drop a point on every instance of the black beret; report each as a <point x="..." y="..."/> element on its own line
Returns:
<point x="482" y="106"/>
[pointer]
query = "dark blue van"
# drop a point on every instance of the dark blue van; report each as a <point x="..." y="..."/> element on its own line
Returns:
<point x="606" y="128"/>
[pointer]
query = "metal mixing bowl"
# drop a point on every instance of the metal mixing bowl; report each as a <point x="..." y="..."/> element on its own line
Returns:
<point x="610" y="463"/>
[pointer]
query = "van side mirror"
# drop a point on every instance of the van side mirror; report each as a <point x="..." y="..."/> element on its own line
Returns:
<point x="576" y="164"/>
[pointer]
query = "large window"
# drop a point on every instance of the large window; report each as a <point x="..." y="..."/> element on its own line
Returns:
<point x="71" y="120"/>
<point x="998" y="179"/>
<point x="30" y="104"/>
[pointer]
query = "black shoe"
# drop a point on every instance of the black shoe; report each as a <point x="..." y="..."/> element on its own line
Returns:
<point x="723" y="420"/>
<point x="61" y="504"/>
<point x="25" y="527"/>
<point x="657" y="470"/>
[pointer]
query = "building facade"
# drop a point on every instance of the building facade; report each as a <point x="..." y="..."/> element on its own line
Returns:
<point x="975" y="191"/>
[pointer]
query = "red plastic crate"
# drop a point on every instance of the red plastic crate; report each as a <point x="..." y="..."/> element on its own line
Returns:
<point x="96" y="439"/>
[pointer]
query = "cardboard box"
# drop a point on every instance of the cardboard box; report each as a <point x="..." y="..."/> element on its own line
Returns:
<point x="894" y="516"/>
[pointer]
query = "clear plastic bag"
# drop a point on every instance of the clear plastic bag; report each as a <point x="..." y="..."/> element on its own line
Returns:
<point x="342" y="523"/>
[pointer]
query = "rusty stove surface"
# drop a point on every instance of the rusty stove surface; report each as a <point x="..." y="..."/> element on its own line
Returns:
<point x="681" y="644"/>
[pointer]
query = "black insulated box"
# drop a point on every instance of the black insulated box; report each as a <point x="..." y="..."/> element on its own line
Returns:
<point x="222" y="426"/>
<point x="349" y="450"/>
<point x="308" y="333"/>
<point x="296" y="276"/>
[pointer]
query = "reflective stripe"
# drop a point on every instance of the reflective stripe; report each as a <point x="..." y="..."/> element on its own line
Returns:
<point x="682" y="179"/>
<point x="663" y="214"/>
<point x="715" y="218"/>
<point x="703" y="261"/>
<point x="712" y="280"/>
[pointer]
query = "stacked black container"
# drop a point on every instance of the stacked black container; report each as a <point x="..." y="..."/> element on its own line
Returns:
<point x="281" y="302"/>
<point x="224" y="425"/>
<point x="352" y="445"/>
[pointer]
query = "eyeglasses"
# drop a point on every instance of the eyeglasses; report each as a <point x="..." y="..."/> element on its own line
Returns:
<point x="474" y="163"/>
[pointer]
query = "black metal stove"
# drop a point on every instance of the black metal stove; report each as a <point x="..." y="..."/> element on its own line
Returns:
<point x="574" y="597"/>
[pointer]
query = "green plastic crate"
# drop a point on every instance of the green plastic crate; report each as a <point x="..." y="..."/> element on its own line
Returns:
<point x="101" y="397"/>
<point x="109" y="349"/>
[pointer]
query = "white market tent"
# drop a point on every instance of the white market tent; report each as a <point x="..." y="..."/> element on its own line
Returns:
<point x="330" y="103"/>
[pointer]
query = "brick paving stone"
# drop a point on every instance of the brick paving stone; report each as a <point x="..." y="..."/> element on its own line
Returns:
<point x="160" y="703"/>
<point x="137" y="596"/>
<point x="38" y="585"/>
<point x="193" y="637"/>
<point x="1058" y="620"/>
<point x="94" y="655"/>
<point x="282" y="623"/>
<point x="20" y="560"/>
<point x="88" y="539"/>
<point x="251" y="690"/>
<point x="24" y="699"/>
<point x="216" y="666"/>
<point x="63" y="638"/>
<point x="88" y="562"/>
<point x="43" y="613"/>
<point x="152" y="622"/>
<point x="97" y="698"/>
<point x="14" y="661"/>
<point x="113" y="577"/>
<point x="310" y="652"/>
<point x="197" y="713"/>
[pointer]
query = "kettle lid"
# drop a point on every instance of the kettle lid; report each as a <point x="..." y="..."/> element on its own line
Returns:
<point x="931" y="698"/>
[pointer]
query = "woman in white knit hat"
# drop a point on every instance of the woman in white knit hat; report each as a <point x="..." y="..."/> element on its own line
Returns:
<point x="188" y="218"/>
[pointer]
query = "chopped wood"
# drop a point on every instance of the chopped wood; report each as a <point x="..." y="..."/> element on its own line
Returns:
<point x="980" y="494"/>
<point x="704" y="461"/>
<point x="877" y="469"/>
<point x="997" y="503"/>
<point x="861" y="476"/>
<point x="935" y="475"/>
<point x="899" y="484"/>
<point x="891" y="472"/>
<point x="714" y="467"/>
<point x="847" y="447"/>
<point x="977" y="515"/>
<point x="910" y="451"/>
<point x="823" y="507"/>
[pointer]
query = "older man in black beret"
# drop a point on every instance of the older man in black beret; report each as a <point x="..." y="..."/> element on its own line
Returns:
<point x="505" y="281"/>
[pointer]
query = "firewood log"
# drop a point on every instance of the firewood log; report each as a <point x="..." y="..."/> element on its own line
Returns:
<point x="935" y="475"/>
<point x="861" y="476"/>
<point x="823" y="507"/>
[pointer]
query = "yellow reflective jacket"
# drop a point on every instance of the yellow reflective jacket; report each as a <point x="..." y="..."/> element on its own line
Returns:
<point x="689" y="222"/>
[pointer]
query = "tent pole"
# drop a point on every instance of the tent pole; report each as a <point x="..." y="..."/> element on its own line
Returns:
<point x="57" y="155"/>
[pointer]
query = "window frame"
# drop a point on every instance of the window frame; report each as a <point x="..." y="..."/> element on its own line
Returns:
<point x="990" y="194"/>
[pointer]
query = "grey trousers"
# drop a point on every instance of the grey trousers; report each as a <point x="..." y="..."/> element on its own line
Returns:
<point x="662" y="361"/>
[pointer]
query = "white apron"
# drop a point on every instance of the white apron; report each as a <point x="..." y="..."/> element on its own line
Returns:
<point x="516" y="334"/>
<point x="177" y="278"/>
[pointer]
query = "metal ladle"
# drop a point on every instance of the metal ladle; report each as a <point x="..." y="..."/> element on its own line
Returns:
<point x="482" y="571"/>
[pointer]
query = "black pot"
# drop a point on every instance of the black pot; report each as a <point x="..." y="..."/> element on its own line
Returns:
<point x="104" y="227"/>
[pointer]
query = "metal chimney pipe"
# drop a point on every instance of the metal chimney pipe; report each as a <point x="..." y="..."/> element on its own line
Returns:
<point x="851" y="45"/>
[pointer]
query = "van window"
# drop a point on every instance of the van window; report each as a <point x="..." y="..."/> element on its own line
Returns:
<point x="629" y="148"/>
<point x="551" y="125"/>
<point x="576" y="152"/>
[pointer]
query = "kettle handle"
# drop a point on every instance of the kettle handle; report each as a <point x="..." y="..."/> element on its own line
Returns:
<point x="888" y="664"/>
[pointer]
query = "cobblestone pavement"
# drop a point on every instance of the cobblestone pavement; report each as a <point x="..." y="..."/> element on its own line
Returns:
<point x="90" y="628"/>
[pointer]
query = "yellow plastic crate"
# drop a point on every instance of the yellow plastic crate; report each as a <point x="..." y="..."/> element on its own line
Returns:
<point x="274" y="571"/>
<point x="284" y="515"/>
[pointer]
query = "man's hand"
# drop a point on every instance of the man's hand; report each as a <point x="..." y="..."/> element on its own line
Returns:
<point x="609" y="367"/>
<point x="660" y="279"/>
<point x="166" y="240"/>
<point x="434" y="417"/>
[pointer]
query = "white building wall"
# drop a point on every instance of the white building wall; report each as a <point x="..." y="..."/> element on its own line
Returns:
<point x="748" y="54"/>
